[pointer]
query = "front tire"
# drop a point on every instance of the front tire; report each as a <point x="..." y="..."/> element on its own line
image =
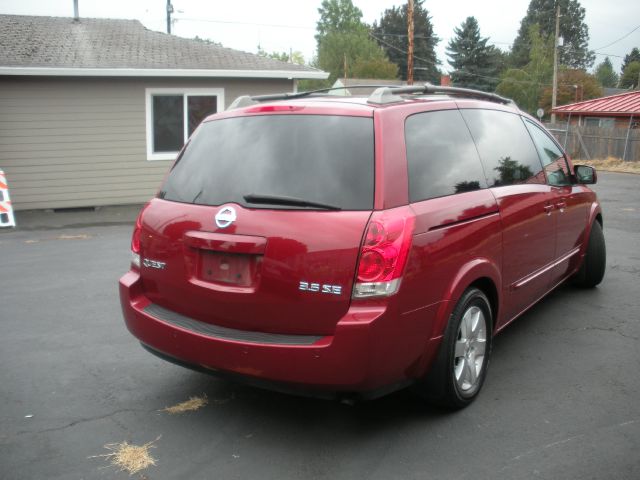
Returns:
<point x="457" y="376"/>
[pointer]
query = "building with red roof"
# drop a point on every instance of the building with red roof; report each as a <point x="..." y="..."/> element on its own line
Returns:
<point x="622" y="111"/>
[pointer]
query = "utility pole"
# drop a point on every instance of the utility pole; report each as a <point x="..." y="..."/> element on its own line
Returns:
<point x="169" y="12"/>
<point x="410" y="35"/>
<point x="345" y="70"/>
<point x="554" y="93"/>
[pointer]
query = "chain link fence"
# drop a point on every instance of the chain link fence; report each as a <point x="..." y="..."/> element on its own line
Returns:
<point x="598" y="143"/>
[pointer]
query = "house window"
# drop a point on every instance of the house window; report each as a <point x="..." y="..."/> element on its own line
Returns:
<point x="174" y="114"/>
<point x="599" y="122"/>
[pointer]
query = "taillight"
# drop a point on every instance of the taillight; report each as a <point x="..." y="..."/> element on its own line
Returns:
<point x="135" y="239"/>
<point x="384" y="253"/>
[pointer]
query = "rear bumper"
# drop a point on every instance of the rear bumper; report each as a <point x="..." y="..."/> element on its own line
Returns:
<point x="370" y="349"/>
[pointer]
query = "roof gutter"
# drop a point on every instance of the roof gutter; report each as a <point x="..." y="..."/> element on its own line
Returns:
<point x="161" y="72"/>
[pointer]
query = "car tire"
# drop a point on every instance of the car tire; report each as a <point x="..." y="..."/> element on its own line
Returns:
<point x="458" y="373"/>
<point x="591" y="271"/>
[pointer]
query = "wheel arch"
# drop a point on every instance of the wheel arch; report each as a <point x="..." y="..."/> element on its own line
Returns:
<point x="481" y="273"/>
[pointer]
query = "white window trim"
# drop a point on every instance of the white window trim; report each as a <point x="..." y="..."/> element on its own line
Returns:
<point x="185" y="92"/>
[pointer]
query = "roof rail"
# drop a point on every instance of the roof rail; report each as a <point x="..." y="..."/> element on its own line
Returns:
<point x="387" y="94"/>
<point x="246" y="100"/>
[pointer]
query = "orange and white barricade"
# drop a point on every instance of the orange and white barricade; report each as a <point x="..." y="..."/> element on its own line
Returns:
<point x="6" y="211"/>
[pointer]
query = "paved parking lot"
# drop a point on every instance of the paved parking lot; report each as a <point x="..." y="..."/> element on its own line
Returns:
<point x="561" y="400"/>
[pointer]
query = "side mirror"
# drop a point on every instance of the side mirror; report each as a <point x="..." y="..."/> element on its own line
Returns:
<point x="586" y="175"/>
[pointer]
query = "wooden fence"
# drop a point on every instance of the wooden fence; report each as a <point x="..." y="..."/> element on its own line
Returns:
<point x="596" y="143"/>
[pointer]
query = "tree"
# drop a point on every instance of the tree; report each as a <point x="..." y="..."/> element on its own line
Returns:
<point x="631" y="76"/>
<point x="338" y="16"/>
<point x="605" y="74"/>
<point x="391" y="34"/>
<point x="295" y="57"/>
<point x="572" y="84"/>
<point x="575" y="53"/>
<point x="344" y="40"/>
<point x="633" y="56"/>
<point x="525" y="85"/>
<point x="374" y="68"/>
<point x="476" y="64"/>
<point x="357" y="49"/>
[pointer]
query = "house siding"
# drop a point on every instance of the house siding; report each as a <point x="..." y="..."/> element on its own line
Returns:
<point x="81" y="142"/>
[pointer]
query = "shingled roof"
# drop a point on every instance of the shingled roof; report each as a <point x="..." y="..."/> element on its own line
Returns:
<point x="34" y="45"/>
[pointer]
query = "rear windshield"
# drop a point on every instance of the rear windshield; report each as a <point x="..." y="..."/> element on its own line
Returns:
<point x="317" y="158"/>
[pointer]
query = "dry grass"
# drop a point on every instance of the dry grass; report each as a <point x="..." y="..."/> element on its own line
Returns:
<point x="612" y="165"/>
<point x="194" y="403"/>
<point x="129" y="458"/>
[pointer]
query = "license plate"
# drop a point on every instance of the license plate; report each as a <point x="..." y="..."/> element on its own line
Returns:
<point x="233" y="269"/>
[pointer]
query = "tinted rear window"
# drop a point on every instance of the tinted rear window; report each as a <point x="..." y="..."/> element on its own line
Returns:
<point x="441" y="156"/>
<point x="319" y="158"/>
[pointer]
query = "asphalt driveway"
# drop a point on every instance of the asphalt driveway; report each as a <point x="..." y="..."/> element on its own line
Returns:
<point x="561" y="400"/>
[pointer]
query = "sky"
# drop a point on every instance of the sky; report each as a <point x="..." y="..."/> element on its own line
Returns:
<point x="284" y="25"/>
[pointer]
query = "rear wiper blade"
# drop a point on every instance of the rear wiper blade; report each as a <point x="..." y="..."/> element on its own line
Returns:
<point x="289" y="201"/>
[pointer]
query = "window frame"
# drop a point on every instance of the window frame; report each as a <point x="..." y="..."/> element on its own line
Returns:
<point x="186" y="93"/>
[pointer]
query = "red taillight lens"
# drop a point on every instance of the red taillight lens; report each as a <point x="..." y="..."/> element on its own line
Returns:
<point x="372" y="265"/>
<point x="384" y="253"/>
<point x="386" y="246"/>
<point x="137" y="231"/>
<point x="135" y="239"/>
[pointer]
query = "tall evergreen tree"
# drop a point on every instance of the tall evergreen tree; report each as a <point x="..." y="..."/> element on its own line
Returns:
<point x="476" y="64"/>
<point x="605" y="74"/>
<point x="391" y="34"/>
<point x="575" y="53"/>
<point x="632" y="56"/>
<point x="631" y="76"/>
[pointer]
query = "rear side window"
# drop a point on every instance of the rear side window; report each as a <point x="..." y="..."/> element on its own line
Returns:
<point x="552" y="157"/>
<point x="317" y="158"/>
<point x="506" y="150"/>
<point x="442" y="159"/>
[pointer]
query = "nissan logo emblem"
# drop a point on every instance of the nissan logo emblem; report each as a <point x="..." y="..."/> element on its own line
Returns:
<point x="226" y="217"/>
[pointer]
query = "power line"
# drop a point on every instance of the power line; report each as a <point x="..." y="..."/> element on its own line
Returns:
<point x="431" y="62"/>
<point x="208" y="20"/>
<point x="621" y="38"/>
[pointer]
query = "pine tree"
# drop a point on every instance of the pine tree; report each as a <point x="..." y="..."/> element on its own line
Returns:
<point x="605" y="74"/>
<point x="632" y="56"/>
<point x="391" y="34"/>
<point x="631" y="76"/>
<point x="575" y="53"/>
<point x="476" y="64"/>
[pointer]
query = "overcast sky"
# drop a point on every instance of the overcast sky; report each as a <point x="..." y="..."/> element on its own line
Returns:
<point x="280" y="25"/>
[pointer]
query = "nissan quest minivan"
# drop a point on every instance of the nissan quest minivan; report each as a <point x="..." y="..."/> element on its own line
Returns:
<point x="351" y="246"/>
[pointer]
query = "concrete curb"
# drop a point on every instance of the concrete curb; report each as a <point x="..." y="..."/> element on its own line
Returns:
<point x="75" y="217"/>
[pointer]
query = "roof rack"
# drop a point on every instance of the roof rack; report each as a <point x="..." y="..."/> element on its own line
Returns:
<point x="247" y="100"/>
<point x="385" y="95"/>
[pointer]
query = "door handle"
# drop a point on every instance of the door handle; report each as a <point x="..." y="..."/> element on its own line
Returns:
<point x="548" y="208"/>
<point x="561" y="206"/>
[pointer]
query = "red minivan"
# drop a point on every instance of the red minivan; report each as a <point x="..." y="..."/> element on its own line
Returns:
<point x="350" y="246"/>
